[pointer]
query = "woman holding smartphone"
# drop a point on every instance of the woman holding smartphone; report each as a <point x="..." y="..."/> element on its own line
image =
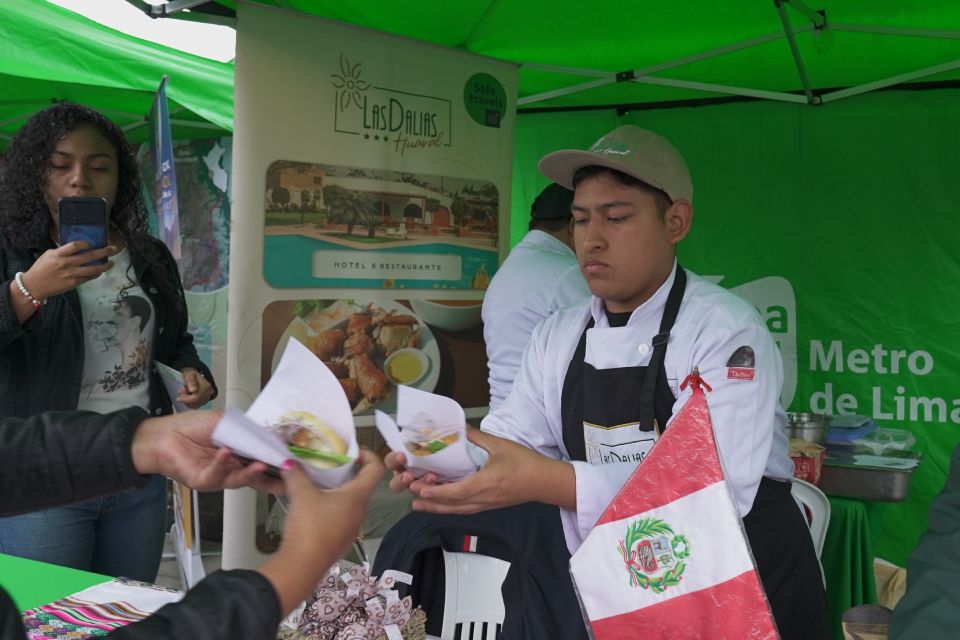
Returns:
<point x="79" y="335"/>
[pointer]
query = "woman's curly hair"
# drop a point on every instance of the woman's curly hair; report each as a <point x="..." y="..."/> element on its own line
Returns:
<point x="24" y="217"/>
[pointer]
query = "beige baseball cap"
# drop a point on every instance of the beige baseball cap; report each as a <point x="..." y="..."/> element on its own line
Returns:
<point x="643" y="154"/>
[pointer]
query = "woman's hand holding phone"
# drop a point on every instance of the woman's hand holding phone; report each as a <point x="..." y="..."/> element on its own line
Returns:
<point x="65" y="268"/>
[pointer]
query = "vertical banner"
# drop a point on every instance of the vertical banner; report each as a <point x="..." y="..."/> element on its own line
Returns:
<point x="372" y="192"/>
<point x="185" y="534"/>
<point x="202" y="175"/>
<point x="164" y="177"/>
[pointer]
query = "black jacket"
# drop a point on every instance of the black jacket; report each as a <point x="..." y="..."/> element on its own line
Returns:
<point x="61" y="457"/>
<point x="41" y="362"/>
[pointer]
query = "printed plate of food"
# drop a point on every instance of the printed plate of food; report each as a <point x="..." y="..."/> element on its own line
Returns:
<point x="370" y="347"/>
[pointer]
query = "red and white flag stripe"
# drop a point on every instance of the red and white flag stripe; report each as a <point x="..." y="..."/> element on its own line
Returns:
<point x="669" y="557"/>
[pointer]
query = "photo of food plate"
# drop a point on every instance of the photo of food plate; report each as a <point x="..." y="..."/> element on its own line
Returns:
<point x="370" y="346"/>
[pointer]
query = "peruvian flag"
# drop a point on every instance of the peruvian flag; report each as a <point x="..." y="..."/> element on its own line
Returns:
<point x="669" y="557"/>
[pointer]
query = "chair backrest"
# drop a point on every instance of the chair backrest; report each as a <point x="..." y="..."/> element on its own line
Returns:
<point x="817" y="509"/>
<point x="472" y="598"/>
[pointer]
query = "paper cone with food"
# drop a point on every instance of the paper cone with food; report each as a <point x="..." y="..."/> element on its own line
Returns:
<point x="431" y="431"/>
<point x="302" y="413"/>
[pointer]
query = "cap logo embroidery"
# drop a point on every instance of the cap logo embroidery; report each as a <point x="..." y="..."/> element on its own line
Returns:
<point x="612" y="148"/>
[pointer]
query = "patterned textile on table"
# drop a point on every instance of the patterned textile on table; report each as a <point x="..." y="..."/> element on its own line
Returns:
<point x="75" y="618"/>
<point x="96" y="611"/>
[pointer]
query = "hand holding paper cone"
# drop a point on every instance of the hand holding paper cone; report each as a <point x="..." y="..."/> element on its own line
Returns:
<point x="303" y="413"/>
<point x="430" y="432"/>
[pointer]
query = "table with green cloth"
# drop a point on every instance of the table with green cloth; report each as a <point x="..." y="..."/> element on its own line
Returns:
<point x="31" y="583"/>
<point x="847" y="560"/>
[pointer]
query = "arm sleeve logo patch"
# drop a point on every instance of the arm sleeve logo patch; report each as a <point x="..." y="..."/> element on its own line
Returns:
<point x="741" y="365"/>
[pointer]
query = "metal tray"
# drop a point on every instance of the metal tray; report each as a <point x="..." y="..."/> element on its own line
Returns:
<point x="865" y="483"/>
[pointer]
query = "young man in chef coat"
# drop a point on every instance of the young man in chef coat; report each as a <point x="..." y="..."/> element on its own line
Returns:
<point x="600" y="381"/>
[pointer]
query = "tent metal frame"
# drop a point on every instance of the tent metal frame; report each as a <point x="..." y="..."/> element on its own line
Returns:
<point x="817" y="22"/>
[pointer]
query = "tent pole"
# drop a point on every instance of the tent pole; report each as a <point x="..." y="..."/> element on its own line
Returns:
<point x="583" y="86"/>
<point x="196" y="124"/>
<point x="896" y="31"/>
<point x="818" y="19"/>
<point x="720" y="88"/>
<point x="879" y="84"/>
<point x="17" y="117"/>
<point x="795" y="50"/>
<point x="611" y="77"/>
<point x="126" y="114"/>
<point x="573" y="71"/>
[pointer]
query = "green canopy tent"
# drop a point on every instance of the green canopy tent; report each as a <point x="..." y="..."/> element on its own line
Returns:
<point x="48" y="53"/>
<point x="620" y="53"/>
<point x="617" y="56"/>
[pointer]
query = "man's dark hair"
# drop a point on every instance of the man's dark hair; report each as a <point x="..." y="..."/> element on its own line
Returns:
<point x="660" y="198"/>
<point x="549" y="225"/>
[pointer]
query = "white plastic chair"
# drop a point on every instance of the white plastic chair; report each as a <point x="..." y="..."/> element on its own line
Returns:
<point x="817" y="511"/>
<point x="472" y="599"/>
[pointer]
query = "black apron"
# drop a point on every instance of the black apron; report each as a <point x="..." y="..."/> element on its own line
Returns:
<point x="782" y="548"/>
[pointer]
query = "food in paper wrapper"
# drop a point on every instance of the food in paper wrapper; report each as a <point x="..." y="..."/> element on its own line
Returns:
<point x="807" y="460"/>
<point x="311" y="440"/>
<point x="430" y="430"/>
<point x="353" y="605"/>
<point x="423" y="437"/>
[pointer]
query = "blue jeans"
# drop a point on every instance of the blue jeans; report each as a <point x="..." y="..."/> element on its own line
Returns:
<point x="117" y="535"/>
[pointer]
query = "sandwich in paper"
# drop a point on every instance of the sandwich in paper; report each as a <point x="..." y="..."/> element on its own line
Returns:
<point x="301" y="413"/>
<point x="431" y="431"/>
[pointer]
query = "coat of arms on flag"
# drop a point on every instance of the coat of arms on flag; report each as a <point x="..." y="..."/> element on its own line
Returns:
<point x="654" y="556"/>
<point x="669" y="557"/>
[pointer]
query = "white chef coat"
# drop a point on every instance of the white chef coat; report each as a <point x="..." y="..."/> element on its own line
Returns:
<point x="711" y="326"/>
<point x="540" y="276"/>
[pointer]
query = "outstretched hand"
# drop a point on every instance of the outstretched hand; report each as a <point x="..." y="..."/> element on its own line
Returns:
<point x="513" y="474"/>
<point x="179" y="446"/>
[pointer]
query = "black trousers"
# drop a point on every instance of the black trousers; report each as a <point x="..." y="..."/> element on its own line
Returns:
<point x="787" y="563"/>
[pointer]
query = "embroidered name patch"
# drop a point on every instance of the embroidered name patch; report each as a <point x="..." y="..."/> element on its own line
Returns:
<point x="742" y="364"/>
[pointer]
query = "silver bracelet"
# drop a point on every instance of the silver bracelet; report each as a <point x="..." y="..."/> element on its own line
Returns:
<point x="18" y="278"/>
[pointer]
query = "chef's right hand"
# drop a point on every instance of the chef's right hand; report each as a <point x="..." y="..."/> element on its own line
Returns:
<point x="65" y="268"/>
<point x="403" y="479"/>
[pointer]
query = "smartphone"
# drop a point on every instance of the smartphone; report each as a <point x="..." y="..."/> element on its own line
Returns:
<point x="83" y="219"/>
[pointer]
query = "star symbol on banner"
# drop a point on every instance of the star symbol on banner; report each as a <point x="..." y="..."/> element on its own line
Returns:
<point x="366" y="136"/>
<point x="376" y="137"/>
<point x="385" y="138"/>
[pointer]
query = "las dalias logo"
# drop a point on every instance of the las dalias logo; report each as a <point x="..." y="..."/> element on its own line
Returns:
<point x="400" y="118"/>
<point x="654" y="556"/>
<point x="408" y="118"/>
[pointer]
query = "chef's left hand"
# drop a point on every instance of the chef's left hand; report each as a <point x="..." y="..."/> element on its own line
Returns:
<point x="196" y="390"/>
<point x="513" y="474"/>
